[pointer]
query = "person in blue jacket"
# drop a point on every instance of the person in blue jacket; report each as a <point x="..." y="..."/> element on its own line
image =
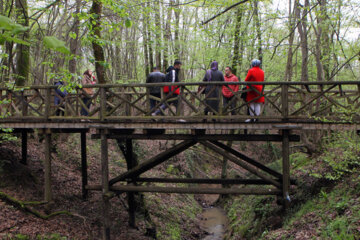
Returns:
<point x="59" y="98"/>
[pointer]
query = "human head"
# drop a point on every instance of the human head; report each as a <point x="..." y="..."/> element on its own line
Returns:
<point x="177" y="64"/>
<point x="88" y="73"/>
<point x="228" y="71"/>
<point x="214" y="65"/>
<point x="255" y="63"/>
<point x="155" y="69"/>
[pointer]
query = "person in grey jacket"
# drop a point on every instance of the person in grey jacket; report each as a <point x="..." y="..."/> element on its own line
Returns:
<point x="212" y="92"/>
<point x="155" y="77"/>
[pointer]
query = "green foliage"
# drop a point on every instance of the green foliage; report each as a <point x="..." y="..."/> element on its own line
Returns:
<point x="341" y="155"/>
<point x="55" y="44"/>
<point x="10" y="30"/>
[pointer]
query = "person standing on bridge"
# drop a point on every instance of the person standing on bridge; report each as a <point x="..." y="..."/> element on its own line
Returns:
<point x="171" y="76"/>
<point x="255" y="98"/>
<point x="155" y="77"/>
<point x="59" y="98"/>
<point x="88" y="79"/>
<point x="212" y="92"/>
<point x="229" y="90"/>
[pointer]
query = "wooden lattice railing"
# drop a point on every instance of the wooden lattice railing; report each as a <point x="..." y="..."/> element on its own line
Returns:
<point x="284" y="101"/>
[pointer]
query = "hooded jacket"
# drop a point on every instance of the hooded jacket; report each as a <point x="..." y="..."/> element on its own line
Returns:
<point x="172" y="76"/>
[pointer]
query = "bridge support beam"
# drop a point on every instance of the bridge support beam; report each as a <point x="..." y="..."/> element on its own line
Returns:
<point x="105" y="186"/>
<point x="47" y="168"/>
<point x="131" y="163"/>
<point x="24" y="147"/>
<point x="84" y="176"/>
<point x="286" y="169"/>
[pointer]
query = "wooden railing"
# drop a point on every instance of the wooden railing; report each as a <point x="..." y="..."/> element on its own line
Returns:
<point x="284" y="101"/>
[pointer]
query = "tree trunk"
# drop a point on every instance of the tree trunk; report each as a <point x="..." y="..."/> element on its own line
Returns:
<point x="303" y="32"/>
<point x="177" y="28"/>
<point x="96" y="10"/>
<point x="145" y="42"/>
<point x="74" y="43"/>
<point x="236" y="57"/>
<point x="22" y="51"/>
<point x="258" y="30"/>
<point x="158" y="34"/>
<point x="291" y="25"/>
<point x="167" y="37"/>
<point x="325" y="40"/>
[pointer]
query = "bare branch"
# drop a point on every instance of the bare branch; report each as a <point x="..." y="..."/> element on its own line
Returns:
<point x="227" y="9"/>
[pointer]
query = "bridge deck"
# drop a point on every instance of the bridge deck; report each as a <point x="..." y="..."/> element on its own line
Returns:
<point x="173" y="125"/>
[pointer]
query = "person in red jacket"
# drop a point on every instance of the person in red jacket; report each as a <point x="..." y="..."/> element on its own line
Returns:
<point x="255" y="97"/>
<point x="229" y="90"/>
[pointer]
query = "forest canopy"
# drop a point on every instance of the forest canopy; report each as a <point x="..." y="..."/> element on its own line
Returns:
<point x="309" y="40"/>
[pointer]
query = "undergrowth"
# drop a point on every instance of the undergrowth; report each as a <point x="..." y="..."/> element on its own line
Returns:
<point x="326" y="202"/>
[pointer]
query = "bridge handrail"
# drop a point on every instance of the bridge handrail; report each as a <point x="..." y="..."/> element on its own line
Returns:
<point x="317" y="83"/>
<point x="318" y="101"/>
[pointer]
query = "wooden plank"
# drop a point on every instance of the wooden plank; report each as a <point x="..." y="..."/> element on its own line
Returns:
<point x="240" y="163"/>
<point x="159" y="134"/>
<point x="154" y="161"/>
<point x="204" y="181"/>
<point x="191" y="190"/>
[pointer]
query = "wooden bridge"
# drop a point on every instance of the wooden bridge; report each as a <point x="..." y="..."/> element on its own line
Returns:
<point x="123" y="112"/>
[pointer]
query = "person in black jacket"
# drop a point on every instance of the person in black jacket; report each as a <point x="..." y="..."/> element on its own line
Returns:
<point x="172" y="76"/>
<point x="155" y="77"/>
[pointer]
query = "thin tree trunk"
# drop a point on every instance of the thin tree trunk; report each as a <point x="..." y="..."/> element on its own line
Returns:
<point x="236" y="57"/>
<point x="167" y="37"/>
<point x="158" y="34"/>
<point x="74" y="43"/>
<point x="22" y="51"/>
<point x="177" y="28"/>
<point x="302" y="29"/>
<point x="96" y="10"/>
<point x="292" y="21"/>
<point x="258" y="30"/>
<point x="145" y="43"/>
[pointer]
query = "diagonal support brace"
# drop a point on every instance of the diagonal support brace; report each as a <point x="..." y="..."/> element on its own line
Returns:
<point x="240" y="163"/>
<point x="154" y="161"/>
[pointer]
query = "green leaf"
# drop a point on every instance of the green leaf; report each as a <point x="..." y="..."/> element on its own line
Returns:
<point x="128" y="23"/>
<point x="56" y="44"/>
<point x="72" y="35"/>
<point x="5" y="23"/>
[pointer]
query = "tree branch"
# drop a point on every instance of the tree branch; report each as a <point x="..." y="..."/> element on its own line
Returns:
<point x="227" y="9"/>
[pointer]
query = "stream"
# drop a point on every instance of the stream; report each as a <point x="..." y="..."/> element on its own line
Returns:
<point x="214" y="221"/>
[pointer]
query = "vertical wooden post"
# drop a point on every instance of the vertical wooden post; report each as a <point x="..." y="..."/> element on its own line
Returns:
<point x="47" y="102"/>
<point x="102" y="103"/>
<point x="84" y="165"/>
<point x="24" y="104"/>
<point x="47" y="166"/>
<point x="286" y="168"/>
<point x="131" y="195"/>
<point x="284" y="102"/>
<point x="148" y="107"/>
<point x="23" y="147"/>
<point x="105" y="186"/>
